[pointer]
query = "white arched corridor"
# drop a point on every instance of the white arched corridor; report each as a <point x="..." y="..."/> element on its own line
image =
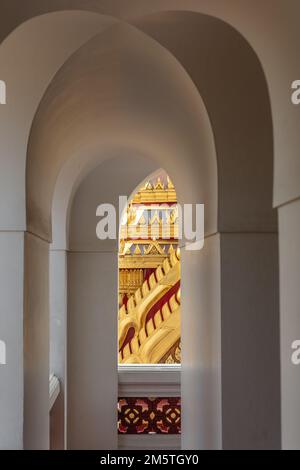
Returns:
<point x="97" y="99"/>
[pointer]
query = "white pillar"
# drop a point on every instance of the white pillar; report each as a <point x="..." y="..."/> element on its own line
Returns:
<point x="11" y="333"/>
<point x="230" y="340"/>
<point x="250" y="341"/>
<point x="289" y="229"/>
<point x="36" y="343"/>
<point x="92" y="350"/>
<point x="201" y="347"/>
<point x="58" y="344"/>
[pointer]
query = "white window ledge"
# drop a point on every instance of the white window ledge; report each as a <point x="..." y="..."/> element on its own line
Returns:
<point x="54" y="390"/>
<point x="149" y="380"/>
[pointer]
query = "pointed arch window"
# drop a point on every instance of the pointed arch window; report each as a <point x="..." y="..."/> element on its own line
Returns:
<point x="149" y="276"/>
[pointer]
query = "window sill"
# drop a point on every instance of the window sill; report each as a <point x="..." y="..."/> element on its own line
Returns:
<point x="54" y="390"/>
<point x="149" y="380"/>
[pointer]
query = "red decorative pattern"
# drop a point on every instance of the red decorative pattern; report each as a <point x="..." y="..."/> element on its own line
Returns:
<point x="149" y="415"/>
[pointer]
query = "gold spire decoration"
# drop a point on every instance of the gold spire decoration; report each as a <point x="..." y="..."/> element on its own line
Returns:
<point x="155" y="219"/>
<point x="137" y="250"/>
<point x="148" y="186"/>
<point x="171" y="249"/>
<point x="156" y="192"/>
<point x="158" y="184"/>
<point x="142" y="220"/>
<point x="170" y="185"/>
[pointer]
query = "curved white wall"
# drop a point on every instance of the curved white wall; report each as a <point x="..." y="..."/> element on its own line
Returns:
<point x="271" y="29"/>
<point x="29" y="58"/>
<point x="117" y="91"/>
<point x="73" y="127"/>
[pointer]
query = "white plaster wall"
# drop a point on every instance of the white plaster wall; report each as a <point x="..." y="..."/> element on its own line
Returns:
<point x="132" y="168"/>
<point x="201" y="347"/>
<point x="29" y="59"/>
<point x="281" y="69"/>
<point x="230" y="336"/>
<point x="250" y="341"/>
<point x="11" y="332"/>
<point x="36" y="344"/>
<point x="270" y="27"/>
<point x="289" y="225"/>
<point x="234" y="90"/>
<point x="116" y="92"/>
<point x="117" y="176"/>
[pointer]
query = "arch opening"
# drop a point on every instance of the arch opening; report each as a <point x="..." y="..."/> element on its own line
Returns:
<point x="149" y="275"/>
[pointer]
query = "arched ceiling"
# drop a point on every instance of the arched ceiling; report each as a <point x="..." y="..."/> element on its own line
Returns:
<point x="130" y="169"/>
<point x="230" y="79"/>
<point x="271" y="27"/>
<point x="29" y="59"/>
<point x="114" y="177"/>
<point x="271" y="41"/>
<point x="121" y="89"/>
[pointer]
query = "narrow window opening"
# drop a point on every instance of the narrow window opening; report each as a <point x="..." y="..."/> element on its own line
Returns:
<point x="149" y="318"/>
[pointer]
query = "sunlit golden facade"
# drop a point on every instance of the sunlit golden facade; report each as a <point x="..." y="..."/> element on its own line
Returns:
<point x="149" y="276"/>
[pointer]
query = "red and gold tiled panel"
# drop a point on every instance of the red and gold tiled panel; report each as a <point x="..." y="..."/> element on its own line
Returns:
<point x="149" y="415"/>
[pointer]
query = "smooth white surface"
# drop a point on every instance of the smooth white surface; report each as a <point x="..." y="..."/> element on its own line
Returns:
<point x="58" y="339"/>
<point x="201" y="347"/>
<point x="122" y="99"/>
<point x="11" y="331"/>
<point x="149" y="380"/>
<point x="29" y="58"/>
<point x="250" y="341"/>
<point x="36" y="344"/>
<point x="54" y="390"/>
<point x="289" y="224"/>
<point x="92" y="350"/>
<point x="252" y="19"/>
